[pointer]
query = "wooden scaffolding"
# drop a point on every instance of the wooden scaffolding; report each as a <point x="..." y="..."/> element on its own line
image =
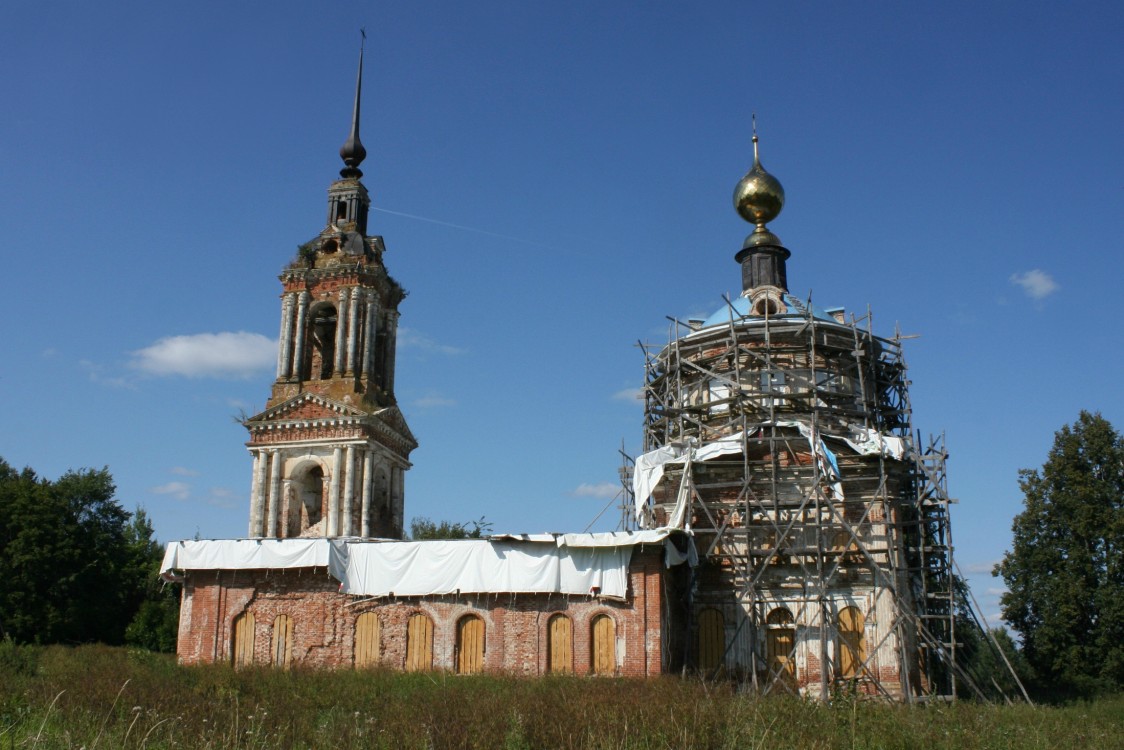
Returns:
<point x="820" y="520"/>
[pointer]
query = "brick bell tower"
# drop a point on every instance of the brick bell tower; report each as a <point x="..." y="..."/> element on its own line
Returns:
<point x="331" y="448"/>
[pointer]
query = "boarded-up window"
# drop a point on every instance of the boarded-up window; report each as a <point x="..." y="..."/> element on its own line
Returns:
<point x="712" y="640"/>
<point x="282" y="646"/>
<point x="780" y="647"/>
<point x="366" y="640"/>
<point x="470" y="645"/>
<point x="560" y="639"/>
<point x="852" y="642"/>
<point x="603" y="646"/>
<point x="242" y="644"/>
<point x="419" y="643"/>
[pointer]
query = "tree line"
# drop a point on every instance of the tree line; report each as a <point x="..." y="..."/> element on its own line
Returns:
<point x="76" y="567"/>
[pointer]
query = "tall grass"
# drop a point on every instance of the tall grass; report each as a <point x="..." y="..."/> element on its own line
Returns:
<point x="99" y="697"/>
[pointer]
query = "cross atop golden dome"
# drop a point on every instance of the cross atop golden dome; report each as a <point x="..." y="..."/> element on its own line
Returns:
<point x="759" y="198"/>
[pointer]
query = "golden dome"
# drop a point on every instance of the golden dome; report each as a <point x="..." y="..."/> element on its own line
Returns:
<point x="758" y="197"/>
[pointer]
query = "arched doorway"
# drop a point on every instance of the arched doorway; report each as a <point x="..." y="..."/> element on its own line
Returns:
<point x="852" y="642"/>
<point x="242" y="641"/>
<point x="603" y="645"/>
<point x="366" y="640"/>
<point x="711" y="640"/>
<point x="419" y="643"/>
<point x="470" y="645"/>
<point x="559" y="639"/>
<point x="780" y="648"/>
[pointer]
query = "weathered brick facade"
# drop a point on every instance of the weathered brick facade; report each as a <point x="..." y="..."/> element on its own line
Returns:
<point x="324" y="621"/>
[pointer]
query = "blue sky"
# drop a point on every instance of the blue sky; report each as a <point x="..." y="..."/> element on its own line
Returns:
<point x="956" y="166"/>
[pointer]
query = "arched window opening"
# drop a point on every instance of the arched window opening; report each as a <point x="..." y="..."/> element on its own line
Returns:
<point x="282" y="647"/>
<point x="308" y="492"/>
<point x="471" y="645"/>
<point x="341" y="211"/>
<point x="852" y="642"/>
<point x="419" y="643"/>
<point x="711" y="640"/>
<point x="603" y="647"/>
<point x="330" y="246"/>
<point x="560" y="645"/>
<point x="366" y="640"/>
<point x="242" y="642"/>
<point x="780" y="648"/>
<point x="323" y="340"/>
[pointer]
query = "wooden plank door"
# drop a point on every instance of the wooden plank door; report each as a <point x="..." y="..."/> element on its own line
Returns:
<point x="603" y="651"/>
<point x="242" y="644"/>
<point x="282" y="641"/>
<point x="711" y="640"/>
<point x="419" y="643"/>
<point x="560" y="639"/>
<point x="852" y="642"/>
<point x="470" y="645"/>
<point x="780" y="648"/>
<point x="366" y="640"/>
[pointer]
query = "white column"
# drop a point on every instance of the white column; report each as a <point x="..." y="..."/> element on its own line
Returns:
<point x="298" y="346"/>
<point x="257" y="492"/>
<point x="274" y="492"/>
<point x="285" y="340"/>
<point x="353" y="333"/>
<point x="370" y="321"/>
<point x="397" y="498"/>
<point x="334" y="493"/>
<point x="391" y="347"/>
<point x="368" y="485"/>
<point x="349" y="490"/>
<point x="286" y="507"/>
<point x="341" y="328"/>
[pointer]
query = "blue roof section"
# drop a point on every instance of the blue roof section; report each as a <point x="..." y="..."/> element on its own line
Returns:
<point x="739" y="308"/>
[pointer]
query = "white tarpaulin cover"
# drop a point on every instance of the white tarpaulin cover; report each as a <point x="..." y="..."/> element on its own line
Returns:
<point x="578" y="564"/>
<point x="238" y="554"/>
<point x="649" y="469"/>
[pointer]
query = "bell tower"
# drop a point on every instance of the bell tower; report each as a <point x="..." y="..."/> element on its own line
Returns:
<point x="331" y="448"/>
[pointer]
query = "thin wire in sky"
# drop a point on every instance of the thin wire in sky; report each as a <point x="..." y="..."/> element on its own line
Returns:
<point x="459" y="226"/>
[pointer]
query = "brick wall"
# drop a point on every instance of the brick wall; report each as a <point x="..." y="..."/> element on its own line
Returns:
<point x="516" y="625"/>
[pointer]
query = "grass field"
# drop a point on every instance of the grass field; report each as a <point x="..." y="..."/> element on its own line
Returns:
<point x="100" y="697"/>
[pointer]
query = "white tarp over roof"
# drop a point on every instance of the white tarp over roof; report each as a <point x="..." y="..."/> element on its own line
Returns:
<point x="578" y="564"/>
<point x="649" y="469"/>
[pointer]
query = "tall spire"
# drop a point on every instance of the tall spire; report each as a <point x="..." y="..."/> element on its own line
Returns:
<point x="352" y="152"/>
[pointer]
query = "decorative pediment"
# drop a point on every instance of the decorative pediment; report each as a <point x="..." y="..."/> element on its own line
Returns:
<point x="392" y="418"/>
<point x="307" y="407"/>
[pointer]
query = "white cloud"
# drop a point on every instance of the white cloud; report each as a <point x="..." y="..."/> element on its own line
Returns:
<point x="1036" y="283"/>
<point x="221" y="497"/>
<point x="208" y="355"/>
<point x="181" y="471"/>
<point x="97" y="375"/>
<point x="408" y="338"/>
<point x="433" y="400"/>
<point x="601" y="489"/>
<point x="981" y="567"/>
<point x="996" y="591"/>
<point x="178" y="490"/>
<point x="629" y="394"/>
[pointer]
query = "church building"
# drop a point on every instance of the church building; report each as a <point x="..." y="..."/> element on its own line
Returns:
<point x="788" y="532"/>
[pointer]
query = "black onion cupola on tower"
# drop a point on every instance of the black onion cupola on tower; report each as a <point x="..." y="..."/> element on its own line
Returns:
<point x="759" y="198"/>
<point x="331" y="448"/>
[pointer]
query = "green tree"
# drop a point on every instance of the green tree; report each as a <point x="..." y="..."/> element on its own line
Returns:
<point x="1065" y="572"/>
<point x="422" y="528"/>
<point x="155" y="626"/>
<point x="72" y="567"/>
